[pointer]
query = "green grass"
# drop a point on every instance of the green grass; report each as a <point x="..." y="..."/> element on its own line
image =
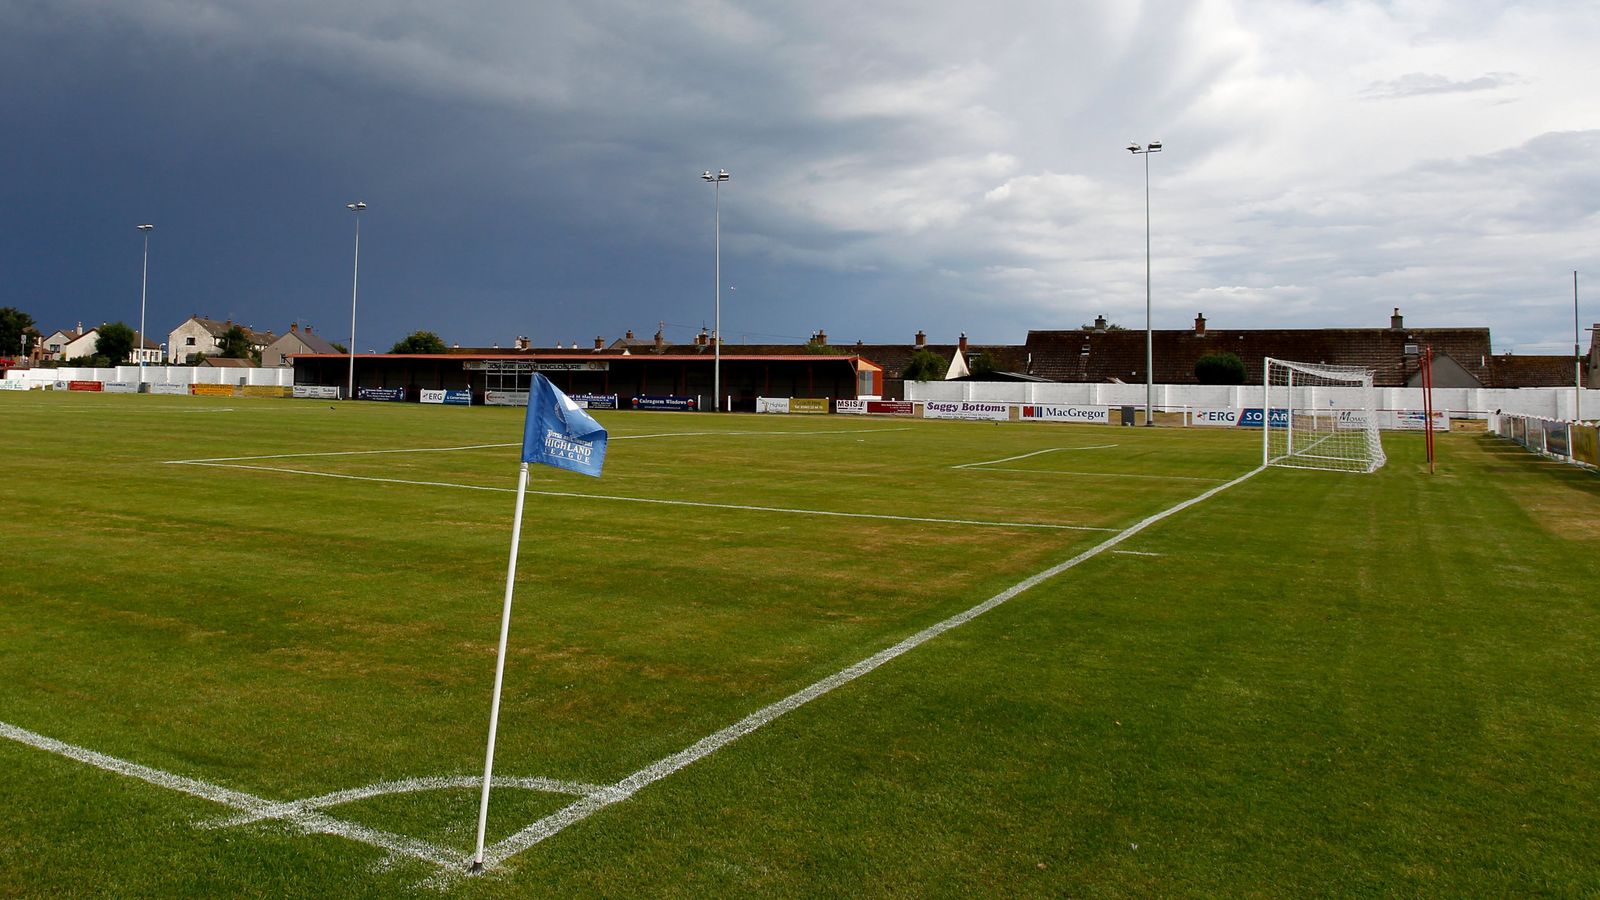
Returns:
<point x="1324" y="684"/>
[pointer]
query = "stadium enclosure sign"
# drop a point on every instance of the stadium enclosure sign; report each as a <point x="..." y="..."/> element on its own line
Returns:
<point x="392" y="395"/>
<point x="315" y="392"/>
<point x="1100" y="415"/>
<point x="1216" y="417"/>
<point x="850" y="407"/>
<point x="505" y="398"/>
<point x="891" y="408"/>
<point x="966" y="409"/>
<point x="1411" y="420"/>
<point x="808" y="405"/>
<point x="121" y="387"/>
<point x="83" y="385"/>
<point x="668" y="402"/>
<point x="772" y="404"/>
<point x="13" y="384"/>
<point x="594" y="401"/>
<point x="169" y="389"/>
<point x="454" y="398"/>
<point x="518" y="366"/>
<point x="1250" y="417"/>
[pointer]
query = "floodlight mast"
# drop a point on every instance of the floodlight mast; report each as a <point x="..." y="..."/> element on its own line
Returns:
<point x="355" y="277"/>
<point x="144" y="282"/>
<point x="1149" y="341"/>
<point x="716" y="335"/>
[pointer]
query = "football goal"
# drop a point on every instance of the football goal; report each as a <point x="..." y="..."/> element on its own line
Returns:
<point x="1319" y="417"/>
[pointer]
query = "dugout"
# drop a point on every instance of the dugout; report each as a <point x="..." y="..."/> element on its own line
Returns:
<point x="744" y="377"/>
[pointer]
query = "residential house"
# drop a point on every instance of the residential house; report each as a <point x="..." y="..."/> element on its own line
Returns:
<point x="82" y="343"/>
<point x="298" y="340"/>
<point x="199" y="336"/>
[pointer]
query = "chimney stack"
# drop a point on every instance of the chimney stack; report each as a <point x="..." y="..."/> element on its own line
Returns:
<point x="1099" y="324"/>
<point x="922" y="339"/>
<point x="629" y="335"/>
<point x="1396" y="323"/>
<point x="599" y="343"/>
<point x="658" y="341"/>
<point x="294" y="327"/>
<point x="820" y="338"/>
<point x="1200" y="325"/>
<point x="963" y="343"/>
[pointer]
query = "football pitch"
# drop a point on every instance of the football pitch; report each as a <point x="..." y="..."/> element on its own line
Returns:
<point x="247" y="646"/>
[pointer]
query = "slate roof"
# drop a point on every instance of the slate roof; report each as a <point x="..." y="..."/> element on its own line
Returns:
<point x="1532" y="371"/>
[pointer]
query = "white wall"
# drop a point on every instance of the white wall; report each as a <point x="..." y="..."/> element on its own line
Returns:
<point x="1549" y="403"/>
<point x="161" y="375"/>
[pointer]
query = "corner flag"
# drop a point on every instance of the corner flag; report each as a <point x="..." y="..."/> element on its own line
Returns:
<point x="559" y="433"/>
<point x="556" y="433"/>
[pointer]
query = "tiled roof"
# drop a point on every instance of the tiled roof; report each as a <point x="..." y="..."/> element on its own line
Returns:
<point x="218" y="329"/>
<point x="1532" y="371"/>
<point x="1098" y="356"/>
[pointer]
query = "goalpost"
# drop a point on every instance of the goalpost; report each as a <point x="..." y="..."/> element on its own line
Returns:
<point x="1319" y="417"/>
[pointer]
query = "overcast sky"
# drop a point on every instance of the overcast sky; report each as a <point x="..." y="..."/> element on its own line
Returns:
<point x="533" y="168"/>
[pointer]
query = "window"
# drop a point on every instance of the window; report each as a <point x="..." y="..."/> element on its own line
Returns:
<point x="188" y="342"/>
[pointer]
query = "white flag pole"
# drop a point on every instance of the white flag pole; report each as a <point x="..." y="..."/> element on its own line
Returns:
<point x="500" y="667"/>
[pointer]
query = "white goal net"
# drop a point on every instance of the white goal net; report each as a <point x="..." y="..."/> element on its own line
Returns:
<point x="1320" y="417"/>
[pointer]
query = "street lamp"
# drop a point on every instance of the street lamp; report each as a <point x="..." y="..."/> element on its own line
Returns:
<point x="1149" y="342"/>
<point x="355" y="277"/>
<point x="716" y="338"/>
<point x="144" y="282"/>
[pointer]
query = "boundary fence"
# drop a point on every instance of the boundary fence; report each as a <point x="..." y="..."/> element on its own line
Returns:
<point x="1572" y="442"/>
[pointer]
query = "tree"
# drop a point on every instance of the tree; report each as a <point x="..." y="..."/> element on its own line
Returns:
<point x="339" y="347"/>
<point x="1219" y="368"/>
<point x="13" y="324"/>
<point x="236" y="344"/>
<point x="925" y="365"/>
<point x="420" y="342"/>
<point x="115" y="343"/>
<point x="980" y="366"/>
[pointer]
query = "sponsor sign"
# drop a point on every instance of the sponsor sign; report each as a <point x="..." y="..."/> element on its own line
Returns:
<point x="264" y="390"/>
<point x="1215" y="417"/>
<point x="667" y="402"/>
<point x="505" y="398"/>
<point x="1044" y="412"/>
<point x="315" y="392"/>
<point x="1555" y="438"/>
<point x="594" y="401"/>
<point x="454" y="398"/>
<point x="1534" y="439"/>
<point x="1411" y="420"/>
<point x="170" y="389"/>
<point x="121" y="387"/>
<point x="850" y="407"/>
<point x="386" y="394"/>
<point x="891" y="408"/>
<point x="1586" y="444"/>
<point x="13" y="384"/>
<point x="211" y="390"/>
<point x="772" y="404"/>
<point x="1250" y="417"/>
<point x="83" y="385"/>
<point x="966" y="409"/>
<point x="59" y="386"/>
<point x="808" y="405"/>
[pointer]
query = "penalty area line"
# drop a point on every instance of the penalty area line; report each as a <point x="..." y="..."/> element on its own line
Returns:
<point x="590" y="804"/>
<point x="660" y="502"/>
<point x="991" y="462"/>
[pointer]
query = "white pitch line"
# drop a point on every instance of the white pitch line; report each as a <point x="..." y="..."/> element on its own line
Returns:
<point x="1034" y="453"/>
<point x="1097" y="474"/>
<point x="307" y="820"/>
<point x="620" y="437"/>
<point x="589" y="805"/>
<point x="405" y="786"/>
<point x="618" y="499"/>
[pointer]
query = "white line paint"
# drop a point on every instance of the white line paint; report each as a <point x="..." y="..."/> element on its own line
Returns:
<point x="405" y="786"/>
<point x="1135" y="553"/>
<point x="306" y="820"/>
<point x="619" y="499"/>
<point x="1097" y="474"/>
<point x="620" y="437"/>
<point x="1034" y="453"/>
<point x="592" y="803"/>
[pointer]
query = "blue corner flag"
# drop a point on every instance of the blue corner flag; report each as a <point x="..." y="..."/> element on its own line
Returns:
<point x="559" y="433"/>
